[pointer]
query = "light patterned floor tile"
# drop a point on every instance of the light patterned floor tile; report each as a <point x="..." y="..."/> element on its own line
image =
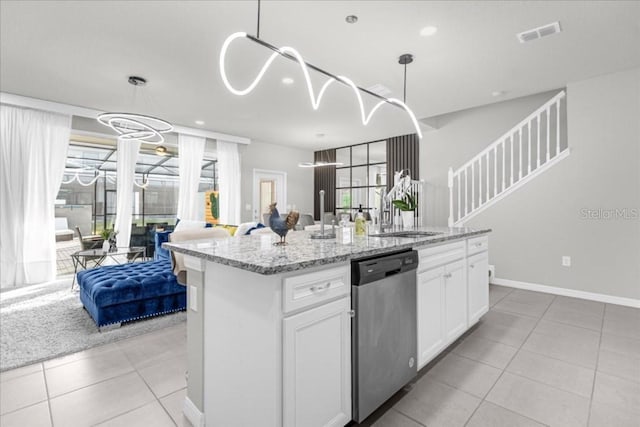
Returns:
<point x="434" y="404"/>
<point x="539" y="402"/>
<point x="473" y="377"/>
<point x="490" y="415"/>
<point x="32" y="416"/>
<point x="100" y="402"/>
<point x="22" y="391"/>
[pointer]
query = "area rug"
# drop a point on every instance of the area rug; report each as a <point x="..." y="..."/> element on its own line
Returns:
<point x="45" y="321"/>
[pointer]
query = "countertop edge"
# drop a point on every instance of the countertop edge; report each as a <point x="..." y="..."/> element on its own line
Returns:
<point x="410" y="243"/>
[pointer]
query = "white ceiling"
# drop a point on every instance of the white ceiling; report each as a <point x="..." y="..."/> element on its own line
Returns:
<point x="81" y="53"/>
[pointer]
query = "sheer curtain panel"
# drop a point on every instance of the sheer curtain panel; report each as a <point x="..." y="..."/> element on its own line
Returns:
<point x="190" y="155"/>
<point x="229" y="182"/>
<point x="125" y="174"/>
<point x="33" y="151"/>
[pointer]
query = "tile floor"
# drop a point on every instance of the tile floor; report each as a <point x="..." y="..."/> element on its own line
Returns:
<point x="135" y="382"/>
<point x="533" y="360"/>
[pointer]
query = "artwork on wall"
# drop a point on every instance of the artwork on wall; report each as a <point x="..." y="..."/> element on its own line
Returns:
<point x="212" y="206"/>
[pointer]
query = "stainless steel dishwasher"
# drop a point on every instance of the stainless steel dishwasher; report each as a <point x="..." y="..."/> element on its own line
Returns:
<point x="383" y="331"/>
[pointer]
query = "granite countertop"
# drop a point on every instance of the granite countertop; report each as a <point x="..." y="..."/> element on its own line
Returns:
<point x="258" y="254"/>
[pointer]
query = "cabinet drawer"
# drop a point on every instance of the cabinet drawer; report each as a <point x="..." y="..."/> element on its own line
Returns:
<point x="439" y="255"/>
<point x="312" y="288"/>
<point x="477" y="244"/>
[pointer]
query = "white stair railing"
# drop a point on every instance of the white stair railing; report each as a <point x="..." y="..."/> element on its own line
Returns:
<point x="523" y="152"/>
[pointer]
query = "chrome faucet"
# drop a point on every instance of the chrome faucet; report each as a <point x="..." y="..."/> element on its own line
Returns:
<point x="321" y="235"/>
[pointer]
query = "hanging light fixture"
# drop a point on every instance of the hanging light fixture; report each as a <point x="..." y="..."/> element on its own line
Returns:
<point x="75" y="176"/>
<point x="136" y="127"/>
<point x="292" y="54"/>
<point x="161" y="150"/>
<point x="320" y="163"/>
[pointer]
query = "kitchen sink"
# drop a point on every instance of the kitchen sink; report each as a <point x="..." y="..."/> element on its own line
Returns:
<point x="407" y="233"/>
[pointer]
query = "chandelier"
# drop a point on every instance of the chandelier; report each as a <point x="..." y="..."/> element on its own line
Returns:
<point x="136" y="127"/>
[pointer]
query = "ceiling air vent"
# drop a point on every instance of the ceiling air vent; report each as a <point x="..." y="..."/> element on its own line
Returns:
<point x="536" y="33"/>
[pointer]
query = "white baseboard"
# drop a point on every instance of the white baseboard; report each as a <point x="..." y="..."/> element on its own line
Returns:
<point x="592" y="296"/>
<point x="192" y="413"/>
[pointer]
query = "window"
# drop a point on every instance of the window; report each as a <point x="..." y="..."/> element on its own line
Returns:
<point x="87" y="197"/>
<point x="362" y="178"/>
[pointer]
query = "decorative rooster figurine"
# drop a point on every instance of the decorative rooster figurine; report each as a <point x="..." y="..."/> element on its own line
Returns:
<point x="282" y="226"/>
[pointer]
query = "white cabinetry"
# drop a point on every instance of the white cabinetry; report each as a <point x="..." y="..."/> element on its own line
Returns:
<point x="455" y="295"/>
<point x="441" y="299"/>
<point x="317" y="350"/>
<point x="478" y="273"/>
<point x="430" y="297"/>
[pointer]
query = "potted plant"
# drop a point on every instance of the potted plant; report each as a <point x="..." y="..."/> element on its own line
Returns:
<point x="407" y="205"/>
<point x="109" y="236"/>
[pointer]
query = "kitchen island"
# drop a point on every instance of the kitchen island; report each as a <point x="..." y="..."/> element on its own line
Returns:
<point x="269" y="327"/>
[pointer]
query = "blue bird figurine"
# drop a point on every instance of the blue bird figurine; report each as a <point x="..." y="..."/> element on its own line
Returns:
<point x="282" y="226"/>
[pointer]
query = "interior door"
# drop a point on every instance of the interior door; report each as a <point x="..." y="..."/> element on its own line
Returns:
<point x="268" y="187"/>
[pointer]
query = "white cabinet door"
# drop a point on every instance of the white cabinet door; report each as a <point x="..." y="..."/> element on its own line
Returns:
<point x="478" y="272"/>
<point x="317" y="366"/>
<point x="455" y="285"/>
<point x="430" y="306"/>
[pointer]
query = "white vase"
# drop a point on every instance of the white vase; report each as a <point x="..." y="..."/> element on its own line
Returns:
<point x="105" y="246"/>
<point x="408" y="219"/>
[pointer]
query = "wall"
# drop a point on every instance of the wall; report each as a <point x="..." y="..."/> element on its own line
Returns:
<point x="460" y="136"/>
<point x="544" y="220"/>
<point x="262" y="155"/>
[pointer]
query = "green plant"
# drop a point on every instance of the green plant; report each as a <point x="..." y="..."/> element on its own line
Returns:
<point x="106" y="233"/>
<point x="407" y="203"/>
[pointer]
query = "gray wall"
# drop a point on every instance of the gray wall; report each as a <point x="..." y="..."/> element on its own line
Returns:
<point x="460" y="136"/>
<point x="262" y="155"/>
<point x="544" y="220"/>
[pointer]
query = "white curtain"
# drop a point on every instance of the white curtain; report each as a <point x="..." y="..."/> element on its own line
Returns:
<point x="125" y="174"/>
<point x="229" y="182"/>
<point x="33" y="147"/>
<point x="190" y="155"/>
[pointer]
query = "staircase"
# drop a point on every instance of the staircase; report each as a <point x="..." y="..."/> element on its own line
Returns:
<point x="525" y="151"/>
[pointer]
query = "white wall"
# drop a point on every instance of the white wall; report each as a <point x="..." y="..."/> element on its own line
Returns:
<point x="262" y="155"/>
<point x="544" y="220"/>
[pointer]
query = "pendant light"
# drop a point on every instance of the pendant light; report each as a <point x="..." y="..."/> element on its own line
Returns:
<point x="136" y="127"/>
<point x="324" y="161"/>
<point x="293" y="55"/>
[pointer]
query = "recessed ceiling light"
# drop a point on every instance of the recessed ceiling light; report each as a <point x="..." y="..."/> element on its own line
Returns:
<point x="320" y="135"/>
<point x="351" y="19"/>
<point x="428" y="31"/>
<point x="199" y="122"/>
<point x="287" y="80"/>
<point x="497" y="93"/>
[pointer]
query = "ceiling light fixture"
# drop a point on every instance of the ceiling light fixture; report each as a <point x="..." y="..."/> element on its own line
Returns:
<point x="87" y="170"/>
<point x="428" y="31"/>
<point x="136" y="127"/>
<point x="497" y="93"/>
<point x="351" y="19"/>
<point x="323" y="161"/>
<point x="292" y="54"/>
<point x="199" y="122"/>
<point x="287" y="80"/>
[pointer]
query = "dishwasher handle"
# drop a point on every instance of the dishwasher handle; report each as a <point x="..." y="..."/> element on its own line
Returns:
<point x="380" y="268"/>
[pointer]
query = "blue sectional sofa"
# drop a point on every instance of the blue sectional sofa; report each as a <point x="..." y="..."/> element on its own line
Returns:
<point x="120" y="293"/>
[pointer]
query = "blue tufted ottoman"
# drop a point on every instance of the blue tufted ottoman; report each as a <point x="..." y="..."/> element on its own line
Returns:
<point x="120" y="293"/>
